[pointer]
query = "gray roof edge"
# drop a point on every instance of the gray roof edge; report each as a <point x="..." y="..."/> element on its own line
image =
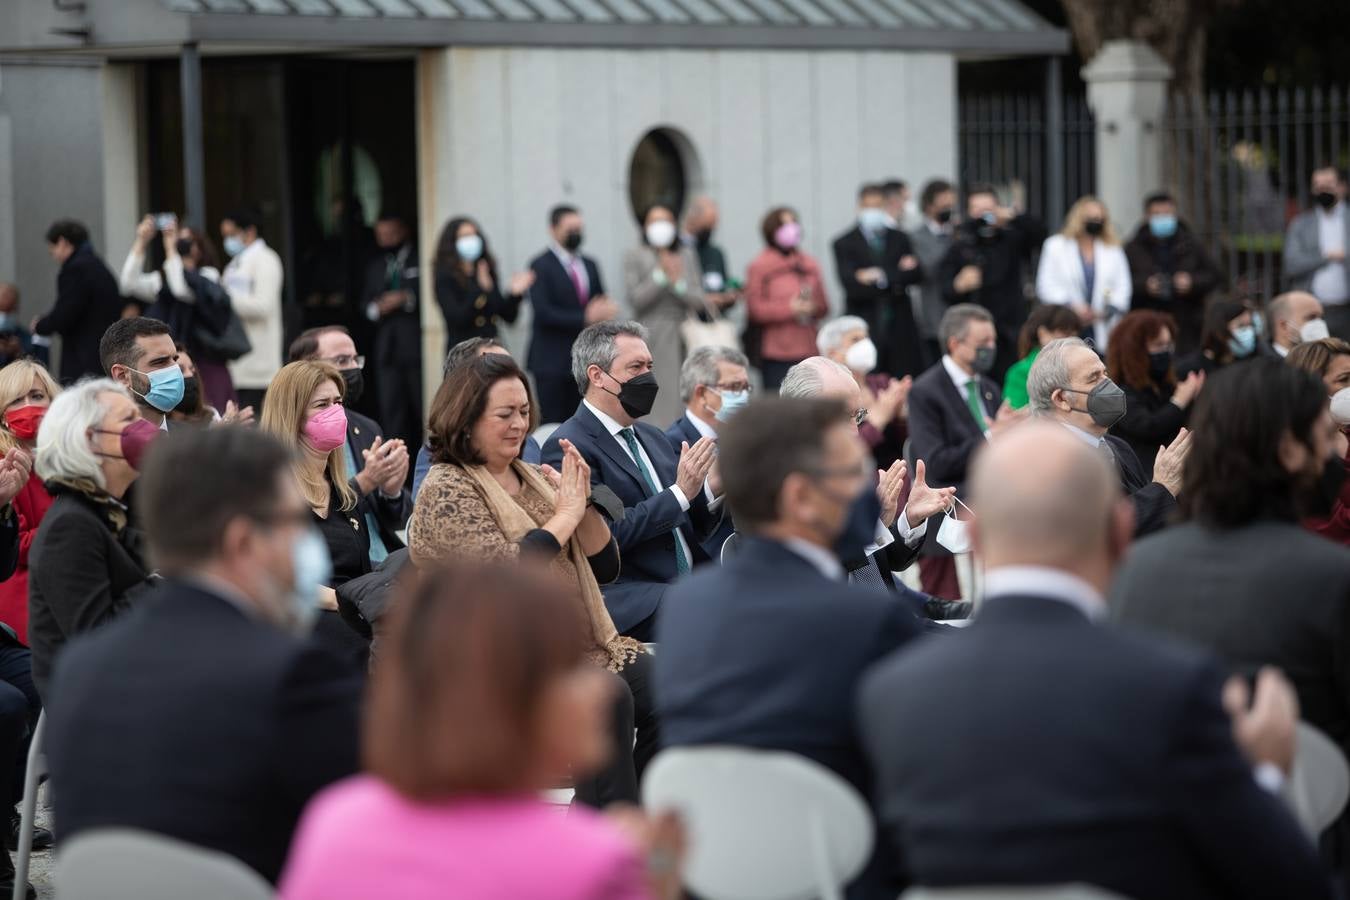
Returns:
<point x="388" y="32"/>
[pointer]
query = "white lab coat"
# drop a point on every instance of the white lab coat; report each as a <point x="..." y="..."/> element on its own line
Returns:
<point x="1060" y="280"/>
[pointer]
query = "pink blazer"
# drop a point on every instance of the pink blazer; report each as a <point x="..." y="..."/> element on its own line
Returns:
<point x="771" y="283"/>
<point x="360" y="839"/>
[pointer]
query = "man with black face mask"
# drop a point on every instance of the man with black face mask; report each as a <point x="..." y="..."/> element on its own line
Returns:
<point x="931" y="241"/>
<point x="391" y="303"/>
<point x="378" y="467"/>
<point x="671" y="504"/>
<point x="767" y="650"/>
<point x="1068" y="384"/>
<point x="1315" y="249"/>
<point x="984" y="266"/>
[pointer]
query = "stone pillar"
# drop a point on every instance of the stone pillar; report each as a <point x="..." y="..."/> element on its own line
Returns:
<point x="1127" y="90"/>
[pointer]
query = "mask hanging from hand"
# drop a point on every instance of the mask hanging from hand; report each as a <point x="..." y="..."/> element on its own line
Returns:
<point x="954" y="534"/>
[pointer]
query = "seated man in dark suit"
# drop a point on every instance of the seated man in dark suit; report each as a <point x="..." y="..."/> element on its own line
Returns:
<point x="567" y="295"/>
<point x="1038" y="748"/>
<point x="714" y="385"/>
<point x="202" y="714"/>
<point x="766" y="650"/>
<point x="670" y="502"/>
<point x="379" y="467"/>
<point x="1068" y="384"/>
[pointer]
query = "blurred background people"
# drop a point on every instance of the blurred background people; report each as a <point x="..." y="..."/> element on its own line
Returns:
<point x="931" y="240"/>
<point x="1140" y="360"/>
<point x="1295" y="317"/>
<point x="1046" y="323"/>
<point x="567" y="295"/>
<point x="392" y="300"/>
<point x="1329" y="360"/>
<point x="472" y="300"/>
<point x="720" y="289"/>
<point x="491" y="697"/>
<point x="847" y="340"/>
<point x="26" y="392"/>
<point x="663" y="287"/>
<point x="253" y="279"/>
<point x="1084" y="268"/>
<point x="1171" y="270"/>
<point x="84" y="566"/>
<point x="985" y="264"/>
<point x="1315" y="248"/>
<point x="87" y="300"/>
<point x="1228" y="336"/>
<point x="139" y="354"/>
<point x="785" y="297"/>
<point x="16" y="341"/>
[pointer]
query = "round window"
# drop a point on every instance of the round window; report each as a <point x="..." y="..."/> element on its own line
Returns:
<point x="657" y="174"/>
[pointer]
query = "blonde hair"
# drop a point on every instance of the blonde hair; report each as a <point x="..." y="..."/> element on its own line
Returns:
<point x="284" y="411"/>
<point x="15" y="381"/>
<point x="1077" y="216"/>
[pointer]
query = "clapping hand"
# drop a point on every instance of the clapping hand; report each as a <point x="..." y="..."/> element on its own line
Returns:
<point x="1265" y="729"/>
<point x="385" y="466"/>
<point x="233" y="415"/>
<point x="695" y="464"/>
<point x="1170" y="462"/>
<point x="1187" y="389"/>
<point x="520" y="283"/>
<point x="15" y="468"/>
<point x="890" y="484"/>
<point x="573" y="484"/>
<point x="926" y="501"/>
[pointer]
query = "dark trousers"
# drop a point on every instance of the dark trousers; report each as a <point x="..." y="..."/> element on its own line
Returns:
<point x="773" y="371"/>
<point x="250" y="397"/>
<point x="557" y="396"/>
<point x="1338" y="319"/>
<point x="19" y="709"/>
<point x="400" y="392"/>
<point x="633" y="710"/>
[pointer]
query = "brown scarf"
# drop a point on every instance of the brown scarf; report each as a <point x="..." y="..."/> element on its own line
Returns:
<point x="613" y="651"/>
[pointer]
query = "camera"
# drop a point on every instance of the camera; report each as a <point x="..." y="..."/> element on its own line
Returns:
<point x="165" y="220"/>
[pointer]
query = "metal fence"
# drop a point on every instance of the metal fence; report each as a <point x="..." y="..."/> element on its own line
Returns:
<point x="1239" y="164"/>
<point x="1042" y="157"/>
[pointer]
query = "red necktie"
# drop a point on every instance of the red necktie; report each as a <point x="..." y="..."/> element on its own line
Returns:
<point x="576" y="281"/>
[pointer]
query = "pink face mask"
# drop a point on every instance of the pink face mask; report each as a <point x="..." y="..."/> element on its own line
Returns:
<point x="326" y="429"/>
<point x="788" y="235"/>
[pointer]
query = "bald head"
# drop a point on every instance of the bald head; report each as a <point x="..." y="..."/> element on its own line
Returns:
<point x="9" y="297"/>
<point x="1289" y="312"/>
<point x="1042" y="497"/>
<point x="702" y="214"/>
<point x="817" y="376"/>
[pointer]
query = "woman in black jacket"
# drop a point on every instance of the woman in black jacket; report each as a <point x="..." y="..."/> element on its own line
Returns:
<point x="1139" y="359"/>
<point x="467" y="289"/>
<point x="83" y="567"/>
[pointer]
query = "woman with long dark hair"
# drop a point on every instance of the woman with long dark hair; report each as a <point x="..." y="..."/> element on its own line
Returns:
<point x="468" y="290"/>
<point x="1228" y="336"/>
<point x="1140" y="360"/>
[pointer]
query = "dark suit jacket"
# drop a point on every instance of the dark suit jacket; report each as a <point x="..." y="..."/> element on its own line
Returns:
<point x="9" y="541"/>
<point x="1001" y="261"/>
<point x="888" y="311"/>
<point x="1269" y="593"/>
<point x="87" y="302"/>
<point x="1153" y="503"/>
<point x="942" y="431"/>
<point x="682" y="430"/>
<point x="766" y="652"/>
<point x="646" y="533"/>
<point x="1058" y="751"/>
<point x="216" y="730"/>
<point x="559" y="315"/>
<point x="391" y="514"/>
<point x="398" y="336"/>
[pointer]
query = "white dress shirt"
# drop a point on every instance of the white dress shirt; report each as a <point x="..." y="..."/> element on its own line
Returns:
<point x="824" y="560"/>
<point x="614" y="428"/>
<point x="702" y="427"/>
<point x="568" y="261"/>
<point x="1328" y="282"/>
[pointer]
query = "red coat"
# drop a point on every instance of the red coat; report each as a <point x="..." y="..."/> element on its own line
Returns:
<point x="771" y="283"/>
<point x="1337" y="525"/>
<point x="30" y="505"/>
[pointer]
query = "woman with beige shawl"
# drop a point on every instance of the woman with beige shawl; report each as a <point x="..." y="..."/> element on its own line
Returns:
<point x="480" y="502"/>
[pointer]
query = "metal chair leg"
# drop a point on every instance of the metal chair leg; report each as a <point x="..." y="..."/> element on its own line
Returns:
<point x="33" y="773"/>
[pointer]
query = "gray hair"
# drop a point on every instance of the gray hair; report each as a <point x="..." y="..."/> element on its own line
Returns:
<point x="956" y="322"/>
<point x="1049" y="373"/>
<point x="63" y="450"/>
<point x="805" y="378"/>
<point x="465" y="351"/>
<point x="833" y="331"/>
<point x="595" y="347"/>
<point x="701" y="368"/>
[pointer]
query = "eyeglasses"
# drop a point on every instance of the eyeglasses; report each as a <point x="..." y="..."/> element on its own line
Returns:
<point x="860" y="415"/>
<point x="736" y="388"/>
<point x="346" y="362"/>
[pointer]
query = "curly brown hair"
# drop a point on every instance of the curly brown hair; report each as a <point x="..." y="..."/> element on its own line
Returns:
<point x="1127" y="354"/>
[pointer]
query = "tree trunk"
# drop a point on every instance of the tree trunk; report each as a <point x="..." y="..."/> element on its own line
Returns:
<point x="1176" y="29"/>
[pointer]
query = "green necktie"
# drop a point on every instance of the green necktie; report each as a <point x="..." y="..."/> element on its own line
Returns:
<point x="973" y="401"/>
<point x="681" y="561"/>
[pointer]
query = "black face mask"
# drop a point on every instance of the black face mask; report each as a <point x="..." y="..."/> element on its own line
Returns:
<point x="986" y="227"/>
<point x="637" y="395"/>
<point x="943" y="216"/>
<point x="355" y="382"/>
<point x="1319" y="497"/>
<point x="192" y="396"/>
<point x="1159" y="364"/>
<point x="703" y="237"/>
<point x="183" y="246"/>
<point x="1094" y="227"/>
<point x="1105" y="403"/>
<point x="572" y="241"/>
<point x="1325" y="199"/>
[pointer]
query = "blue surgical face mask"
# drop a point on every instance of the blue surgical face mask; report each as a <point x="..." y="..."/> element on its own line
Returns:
<point x="1162" y="226"/>
<point x="860" y="527"/>
<point x="1243" y="341"/>
<point x="312" y="568"/>
<point x="234" y="245"/>
<point x="166" y="388"/>
<point x="873" y="219"/>
<point x="732" y="403"/>
<point x="469" y="247"/>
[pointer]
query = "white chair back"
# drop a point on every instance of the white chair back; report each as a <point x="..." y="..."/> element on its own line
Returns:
<point x="1046" y="892"/>
<point x="543" y="432"/>
<point x="129" y="864"/>
<point x="730" y="547"/>
<point x="1319" y="785"/>
<point x="762" y="825"/>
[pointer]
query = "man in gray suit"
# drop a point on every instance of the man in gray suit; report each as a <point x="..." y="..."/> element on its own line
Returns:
<point x="1315" y="249"/>
<point x="930" y="242"/>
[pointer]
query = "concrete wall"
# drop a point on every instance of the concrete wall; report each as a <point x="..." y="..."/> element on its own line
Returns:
<point x="505" y="134"/>
<point x="67" y="149"/>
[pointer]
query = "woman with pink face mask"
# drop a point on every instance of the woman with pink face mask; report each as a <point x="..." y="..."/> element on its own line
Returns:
<point x="304" y="409"/>
<point x="785" y="296"/>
